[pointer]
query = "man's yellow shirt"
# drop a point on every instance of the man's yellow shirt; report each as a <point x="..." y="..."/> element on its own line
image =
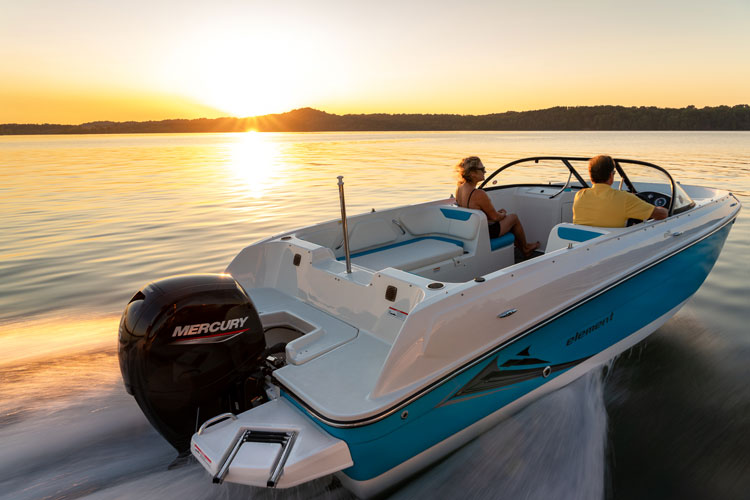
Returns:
<point x="606" y="207"/>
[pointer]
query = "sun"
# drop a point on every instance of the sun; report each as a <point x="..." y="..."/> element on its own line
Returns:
<point x="248" y="91"/>
<point x="251" y="70"/>
<point x="241" y="78"/>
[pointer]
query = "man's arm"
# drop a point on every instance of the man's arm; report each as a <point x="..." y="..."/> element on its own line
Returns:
<point x="659" y="213"/>
<point x="637" y="208"/>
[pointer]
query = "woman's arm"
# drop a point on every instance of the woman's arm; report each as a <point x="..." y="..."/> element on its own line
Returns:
<point x="484" y="203"/>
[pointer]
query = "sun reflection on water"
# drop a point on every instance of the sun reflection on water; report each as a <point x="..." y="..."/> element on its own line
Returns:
<point x="254" y="161"/>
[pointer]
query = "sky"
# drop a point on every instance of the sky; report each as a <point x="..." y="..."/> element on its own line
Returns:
<point x="77" y="61"/>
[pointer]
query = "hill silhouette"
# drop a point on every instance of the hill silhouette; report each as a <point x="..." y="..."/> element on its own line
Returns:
<point x="313" y="120"/>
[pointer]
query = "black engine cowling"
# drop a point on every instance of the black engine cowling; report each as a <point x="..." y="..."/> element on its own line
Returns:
<point x="191" y="347"/>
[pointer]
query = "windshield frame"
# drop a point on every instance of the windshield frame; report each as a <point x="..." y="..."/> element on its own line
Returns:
<point x="619" y="162"/>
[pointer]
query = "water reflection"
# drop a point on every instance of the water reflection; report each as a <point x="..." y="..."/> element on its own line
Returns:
<point x="254" y="163"/>
<point x="54" y="337"/>
<point x="87" y="221"/>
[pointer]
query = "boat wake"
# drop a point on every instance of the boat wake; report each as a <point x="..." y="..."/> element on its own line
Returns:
<point x="100" y="446"/>
<point x="554" y="448"/>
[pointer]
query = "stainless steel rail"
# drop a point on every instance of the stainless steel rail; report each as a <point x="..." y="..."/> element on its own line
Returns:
<point x="344" y="226"/>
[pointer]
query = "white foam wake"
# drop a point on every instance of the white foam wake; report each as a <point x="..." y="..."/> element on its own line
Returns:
<point x="554" y="449"/>
<point x="102" y="448"/>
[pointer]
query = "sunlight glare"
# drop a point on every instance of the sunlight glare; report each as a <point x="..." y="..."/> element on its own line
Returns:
<point x="245" y="79"/>
<point x="253" y="161"/>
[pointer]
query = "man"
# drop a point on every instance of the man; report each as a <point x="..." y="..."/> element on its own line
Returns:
<point x="602" y="206"/>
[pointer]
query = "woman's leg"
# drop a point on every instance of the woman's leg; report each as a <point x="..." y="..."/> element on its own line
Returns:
<point x="512" y="223"/>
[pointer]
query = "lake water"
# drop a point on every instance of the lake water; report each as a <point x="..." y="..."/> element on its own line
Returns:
<point x="85" y="221"/>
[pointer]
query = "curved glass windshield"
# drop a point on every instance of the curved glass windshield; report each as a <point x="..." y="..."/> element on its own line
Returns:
<point x="654" y="185"/>
<point x="682" y="201"/>
<point x="650" y="182"/>
<point x="541" y="172"/>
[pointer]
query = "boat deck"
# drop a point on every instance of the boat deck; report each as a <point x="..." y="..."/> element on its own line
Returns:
<point x="356" y="353"/>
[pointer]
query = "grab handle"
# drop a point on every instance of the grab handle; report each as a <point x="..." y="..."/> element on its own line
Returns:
<point x="398" y="224"/>
<point x="214" y="420"/>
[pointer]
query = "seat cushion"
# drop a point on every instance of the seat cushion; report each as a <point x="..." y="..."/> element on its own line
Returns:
<point x="410" y="255"/>
<point x="502" y="241"/>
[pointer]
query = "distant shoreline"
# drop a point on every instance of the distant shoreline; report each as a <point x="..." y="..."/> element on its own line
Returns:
<point x="578" y="118"/>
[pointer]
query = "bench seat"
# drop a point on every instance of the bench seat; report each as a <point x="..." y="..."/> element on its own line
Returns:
<point x="409" y="255"/>
<point x="502" y="241"/>
<point x="321" y="331"/>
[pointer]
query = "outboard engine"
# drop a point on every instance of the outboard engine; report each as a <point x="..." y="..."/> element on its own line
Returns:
<point x="191" y="347"/>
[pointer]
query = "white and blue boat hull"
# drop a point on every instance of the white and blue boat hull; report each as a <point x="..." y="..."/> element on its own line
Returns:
<point x="542" y="359"/>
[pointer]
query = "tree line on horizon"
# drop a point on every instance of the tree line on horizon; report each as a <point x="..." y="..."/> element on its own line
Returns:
<point x="560" y="118"/>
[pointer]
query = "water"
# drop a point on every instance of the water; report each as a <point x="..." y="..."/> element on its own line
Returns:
<point x="85" y="221"/>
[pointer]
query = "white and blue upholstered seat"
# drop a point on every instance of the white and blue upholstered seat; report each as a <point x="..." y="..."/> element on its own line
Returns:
<point x="411" y="254"/>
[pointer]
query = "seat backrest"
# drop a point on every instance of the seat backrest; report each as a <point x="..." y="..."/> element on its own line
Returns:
<point x="372" y="232"/>
<point x="567" y="232"/>
<point x="450" y="221"/>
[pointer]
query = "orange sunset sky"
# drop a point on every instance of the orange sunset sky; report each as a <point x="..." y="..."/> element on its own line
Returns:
<point x="76" y="61"/>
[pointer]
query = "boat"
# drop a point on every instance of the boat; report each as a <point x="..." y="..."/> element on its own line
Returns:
<point x="373" y="345"/>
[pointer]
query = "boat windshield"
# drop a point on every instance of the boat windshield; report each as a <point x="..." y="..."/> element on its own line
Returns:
<point x="652" y="184"/>
<point x="682" y="202"/>
<point x="648" y="181"/>
<point x="562" y="172"/>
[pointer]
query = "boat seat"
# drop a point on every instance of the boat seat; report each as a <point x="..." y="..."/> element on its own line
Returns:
<point x="453" y="222"/>
<point x="321" y="331"/>
<point x="502" y="241"/>
<point x="371" y="233"/>
<point x="409" y="255"/>
<point x="567" y="232"/>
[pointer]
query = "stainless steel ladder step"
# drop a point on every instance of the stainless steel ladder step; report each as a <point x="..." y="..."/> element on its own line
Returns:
<point x="283" y="438"/>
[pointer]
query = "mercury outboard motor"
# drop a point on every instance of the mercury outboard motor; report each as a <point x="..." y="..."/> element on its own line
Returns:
<point x="191" y="347"/>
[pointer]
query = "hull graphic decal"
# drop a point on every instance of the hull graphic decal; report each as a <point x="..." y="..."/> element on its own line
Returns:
<point x="494" y="376"/>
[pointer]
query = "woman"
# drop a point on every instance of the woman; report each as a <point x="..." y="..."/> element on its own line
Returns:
<point x="470" y="172"/>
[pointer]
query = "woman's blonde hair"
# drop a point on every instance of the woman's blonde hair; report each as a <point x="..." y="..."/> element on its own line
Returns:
<point x="465" y="166"/>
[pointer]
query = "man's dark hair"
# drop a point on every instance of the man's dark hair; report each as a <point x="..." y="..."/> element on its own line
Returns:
<point x="600" y="168"/>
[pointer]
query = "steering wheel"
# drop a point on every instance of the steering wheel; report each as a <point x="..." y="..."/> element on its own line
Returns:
<point x="656" y="199"/>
